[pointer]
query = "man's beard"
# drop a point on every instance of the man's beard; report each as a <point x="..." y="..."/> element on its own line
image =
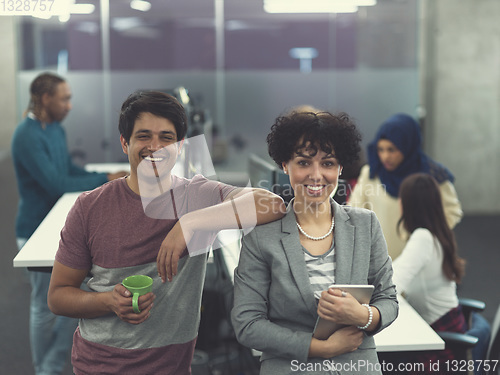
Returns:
<point x="55" y="117"/>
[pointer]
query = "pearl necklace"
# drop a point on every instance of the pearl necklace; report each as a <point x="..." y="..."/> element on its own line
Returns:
<point x="316" y="238"/>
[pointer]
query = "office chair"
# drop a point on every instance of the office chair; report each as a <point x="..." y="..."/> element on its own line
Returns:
<point x="472" y="345"/>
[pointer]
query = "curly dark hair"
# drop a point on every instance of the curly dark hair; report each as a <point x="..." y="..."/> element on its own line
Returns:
<point x="332" y="133"/>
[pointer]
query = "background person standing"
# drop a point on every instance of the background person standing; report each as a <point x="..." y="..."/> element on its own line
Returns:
<point x="44" y="172"/>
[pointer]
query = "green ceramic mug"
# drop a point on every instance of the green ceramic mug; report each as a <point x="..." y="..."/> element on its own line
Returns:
<point x="138" y="285"/>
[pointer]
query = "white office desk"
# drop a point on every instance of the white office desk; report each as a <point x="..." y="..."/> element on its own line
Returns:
<point x="41" y="248"/>
<point x="107" y="167"/>
<point x="408" y="332"/>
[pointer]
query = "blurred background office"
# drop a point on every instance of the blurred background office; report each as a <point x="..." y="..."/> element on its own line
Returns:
<point x="237" y="64"/>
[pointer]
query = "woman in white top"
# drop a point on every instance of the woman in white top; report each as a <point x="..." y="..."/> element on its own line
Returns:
<point x="428" y="269"/>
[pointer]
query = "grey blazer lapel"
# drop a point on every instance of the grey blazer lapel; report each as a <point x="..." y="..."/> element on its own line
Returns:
<point x="295" y="256"/>
<point x="344" y="245"/>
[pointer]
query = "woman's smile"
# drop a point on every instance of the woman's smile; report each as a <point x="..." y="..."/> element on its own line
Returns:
<point x="315" y="190"/>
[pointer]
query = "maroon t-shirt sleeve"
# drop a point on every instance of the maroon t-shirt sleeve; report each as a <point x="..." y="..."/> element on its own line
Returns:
<point x="206" y="193"/>
<point x="73" y="250"/>
<point x="214" y="190"/>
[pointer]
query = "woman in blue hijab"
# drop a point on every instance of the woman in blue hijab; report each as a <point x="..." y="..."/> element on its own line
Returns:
<point x="395" y="153"/>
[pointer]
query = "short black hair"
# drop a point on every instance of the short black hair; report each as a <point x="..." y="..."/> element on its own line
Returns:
<point x="332" y="133"/>
<point x="157" y="103"/>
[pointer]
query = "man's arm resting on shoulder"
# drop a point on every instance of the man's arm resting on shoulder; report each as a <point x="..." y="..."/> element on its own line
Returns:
<point x="66" y="298"/>
<point x="243" y="208"/>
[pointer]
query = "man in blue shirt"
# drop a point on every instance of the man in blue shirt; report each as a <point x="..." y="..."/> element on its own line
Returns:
<point x="44" y="172"/>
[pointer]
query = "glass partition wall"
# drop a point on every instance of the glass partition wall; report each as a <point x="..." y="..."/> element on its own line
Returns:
<point x="241" y="66"/>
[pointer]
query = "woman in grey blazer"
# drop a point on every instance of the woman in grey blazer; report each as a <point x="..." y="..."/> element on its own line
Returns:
<point x="316" y="244"/>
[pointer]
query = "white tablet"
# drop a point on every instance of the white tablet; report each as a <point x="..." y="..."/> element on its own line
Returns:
<point x="325" y="328"/>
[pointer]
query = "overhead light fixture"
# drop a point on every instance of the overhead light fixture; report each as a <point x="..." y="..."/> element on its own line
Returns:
<point x="126" y="23"/>
<point x="140" y="5"/>
<point x="82" y="8"/>
<point x="64" y="18"/>
<point x="183" y="95"/>
<point x="63" y="9"/>
<point x="41" y="15"/>
<point x="315" y="6"/>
